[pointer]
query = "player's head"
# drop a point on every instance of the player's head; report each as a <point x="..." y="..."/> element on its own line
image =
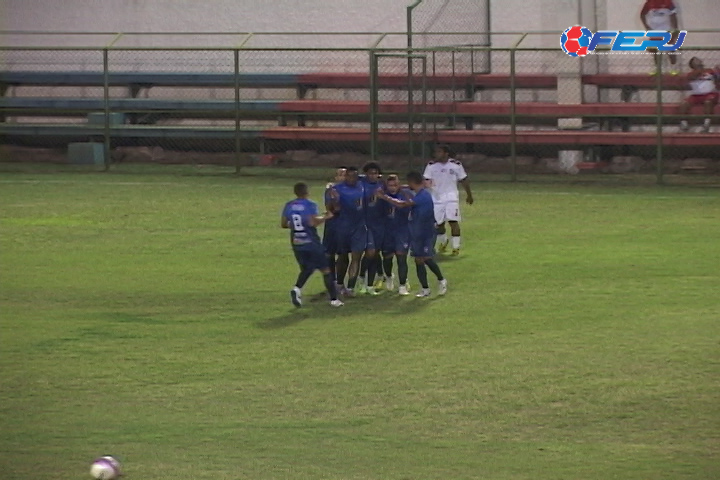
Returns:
<point x="301" y="190"/>
<point x="443" y="153"/>
<point x="415" y="180"/>
<point x="696" y="64"/>
<point x="351" y="175"/>
<point x="392" y="184"/>
<point x="372" y="171"/>
<point x="340" y="174"/>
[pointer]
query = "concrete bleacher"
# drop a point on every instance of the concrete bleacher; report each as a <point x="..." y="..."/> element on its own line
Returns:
<point x="473" y="114"/>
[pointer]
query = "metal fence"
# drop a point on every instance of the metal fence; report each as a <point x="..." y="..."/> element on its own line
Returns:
<point x="518" y="107"/>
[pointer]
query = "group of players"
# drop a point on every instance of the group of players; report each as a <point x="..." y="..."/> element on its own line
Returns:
<point x="370" y="220"/>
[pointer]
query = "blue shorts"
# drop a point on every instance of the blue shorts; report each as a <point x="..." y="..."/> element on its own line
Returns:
<point x="311" y="257"/>
<point x="423" y="246"/>
<point x="376" y="237"/>
<point x="330" y="239"/>
<point x="356" y="240"/>
<point x="402" y="241"/>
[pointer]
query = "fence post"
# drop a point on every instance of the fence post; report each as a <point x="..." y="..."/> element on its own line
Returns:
<point x="659" y="124"/>
<point x="513" y="119"/>
<point x="106" y="100"/>
<point x="238" y="145"/>
<point x="373" y="106"/>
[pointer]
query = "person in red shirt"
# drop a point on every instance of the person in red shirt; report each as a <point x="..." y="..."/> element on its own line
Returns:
<point x="661" y="15"/>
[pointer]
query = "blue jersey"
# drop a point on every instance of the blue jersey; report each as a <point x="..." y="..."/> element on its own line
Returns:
<point x="328" y="200"/>
<point x="422" y="215"/>
<point x="398" y="217"/>
<point x="352" y="205"/>
<point x="375" y="209"/>
<point x="298" y="212"/>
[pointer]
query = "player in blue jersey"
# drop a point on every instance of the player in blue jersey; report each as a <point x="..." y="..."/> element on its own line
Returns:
<point x="352" y="234"/>
<point x="375" y="213"/>
<point x="301" y="217"/>
<point x="422" y="231"/>
<point x="397" y="236"/>
<point x="330" y="230"/>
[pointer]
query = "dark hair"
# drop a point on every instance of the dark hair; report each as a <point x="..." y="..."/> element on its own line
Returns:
<point x="690" y="63"/>
<point x="341" y="167"/>
<point x="372" y="166"/>
<point x="300" y="189"/>
<point x="351" y="169"/>
<point x="415" y="178"/>
<point x="392" y="177"/>
<point x="446" y="148"/>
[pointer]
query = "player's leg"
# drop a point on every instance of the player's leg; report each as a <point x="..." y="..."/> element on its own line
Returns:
<point x="343" y="262"/>
<point x="684" y="109"/>
<point x="306" y="271"/>
<point x="435" y="269"/>
<point x="422" y="248"/>
<point x="371" y="255"/>
<point x="421" y="271"/>
<point x="442" y="238"/>
<point x="362" y="277"/>
<point x="387" y="268"/>
<point x="402" y="246"/>
<point x="320" y="263"/>
<point x="711" y="101"/>
<point x="358" y="245"/>
<point x="402" y="263"/>
<point x="452" y="213"/>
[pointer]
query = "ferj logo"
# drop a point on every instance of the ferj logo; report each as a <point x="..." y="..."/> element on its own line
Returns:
<point x="579" y="41"/>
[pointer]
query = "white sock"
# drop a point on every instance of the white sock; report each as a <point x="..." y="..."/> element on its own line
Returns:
<point x="455" y="242"/>
<point x="707" y="122"/>
<point x="683" y="123"/>
<point x="442" y="239"/>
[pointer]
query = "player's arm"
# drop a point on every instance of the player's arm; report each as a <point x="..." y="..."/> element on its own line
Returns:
<point x="316" y="220"/>
<point x="394" y="201"/>
<point x="284" y="223"/>
<point x="468" y="192"/>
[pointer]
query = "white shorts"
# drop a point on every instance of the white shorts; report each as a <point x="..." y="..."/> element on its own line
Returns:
<point x="447" y="212"/>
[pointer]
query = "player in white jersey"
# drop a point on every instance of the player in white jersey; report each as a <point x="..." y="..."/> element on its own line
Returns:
<point x="443" y="176"/>
<point x="703" y="83"/>
<point x="661" y="15"/>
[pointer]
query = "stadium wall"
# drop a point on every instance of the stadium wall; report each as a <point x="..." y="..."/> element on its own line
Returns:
<point x="319" y="15"/>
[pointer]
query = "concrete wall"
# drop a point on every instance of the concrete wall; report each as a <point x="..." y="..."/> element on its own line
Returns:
<point x="319" y="15"/>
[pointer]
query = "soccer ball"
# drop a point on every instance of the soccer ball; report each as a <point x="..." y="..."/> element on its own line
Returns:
<point x="105" y="468"/>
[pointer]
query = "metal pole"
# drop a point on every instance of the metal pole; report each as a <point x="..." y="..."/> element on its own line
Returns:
<point x="238" y="145"/>
<point x="411" y="118"/>
<point x="513" y="119"/>
<point x="106" y="95"/>
<point x="659" y="124"/>
<point x="373" y="105"/>
<point x="423" y="148"/>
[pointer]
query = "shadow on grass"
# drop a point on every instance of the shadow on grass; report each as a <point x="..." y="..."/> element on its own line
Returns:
<point x="317" y="307"/>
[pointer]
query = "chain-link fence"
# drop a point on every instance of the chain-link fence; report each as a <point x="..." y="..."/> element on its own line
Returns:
<point x="299" y="100"/>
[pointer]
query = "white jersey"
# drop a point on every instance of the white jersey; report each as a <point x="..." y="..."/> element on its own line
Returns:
<point x="444" y="178"/>
<point x="703" y="84"/>
<point x="658" y="15"/>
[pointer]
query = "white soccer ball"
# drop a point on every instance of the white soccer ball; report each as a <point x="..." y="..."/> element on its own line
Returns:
<point x="105" y="468"/>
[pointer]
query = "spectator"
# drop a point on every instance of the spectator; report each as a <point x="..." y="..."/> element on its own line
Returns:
<point x="661" y="15"/>
<point x="703" y="91"/>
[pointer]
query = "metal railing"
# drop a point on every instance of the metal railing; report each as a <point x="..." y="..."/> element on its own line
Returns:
<point x="246" y="83"/>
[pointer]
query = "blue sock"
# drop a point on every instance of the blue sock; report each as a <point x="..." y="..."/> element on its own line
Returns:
<point x="303" y="277"/>
<point x="422" y="275"/>
<point x="435" y="268"/>
<point x="402" y="269"/>
<point x="329" y="280"/>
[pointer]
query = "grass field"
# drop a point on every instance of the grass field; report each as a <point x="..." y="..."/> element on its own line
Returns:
<point x="147" y="316"/>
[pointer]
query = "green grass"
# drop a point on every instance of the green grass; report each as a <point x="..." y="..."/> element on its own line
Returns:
<point x="147" y="316"/>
